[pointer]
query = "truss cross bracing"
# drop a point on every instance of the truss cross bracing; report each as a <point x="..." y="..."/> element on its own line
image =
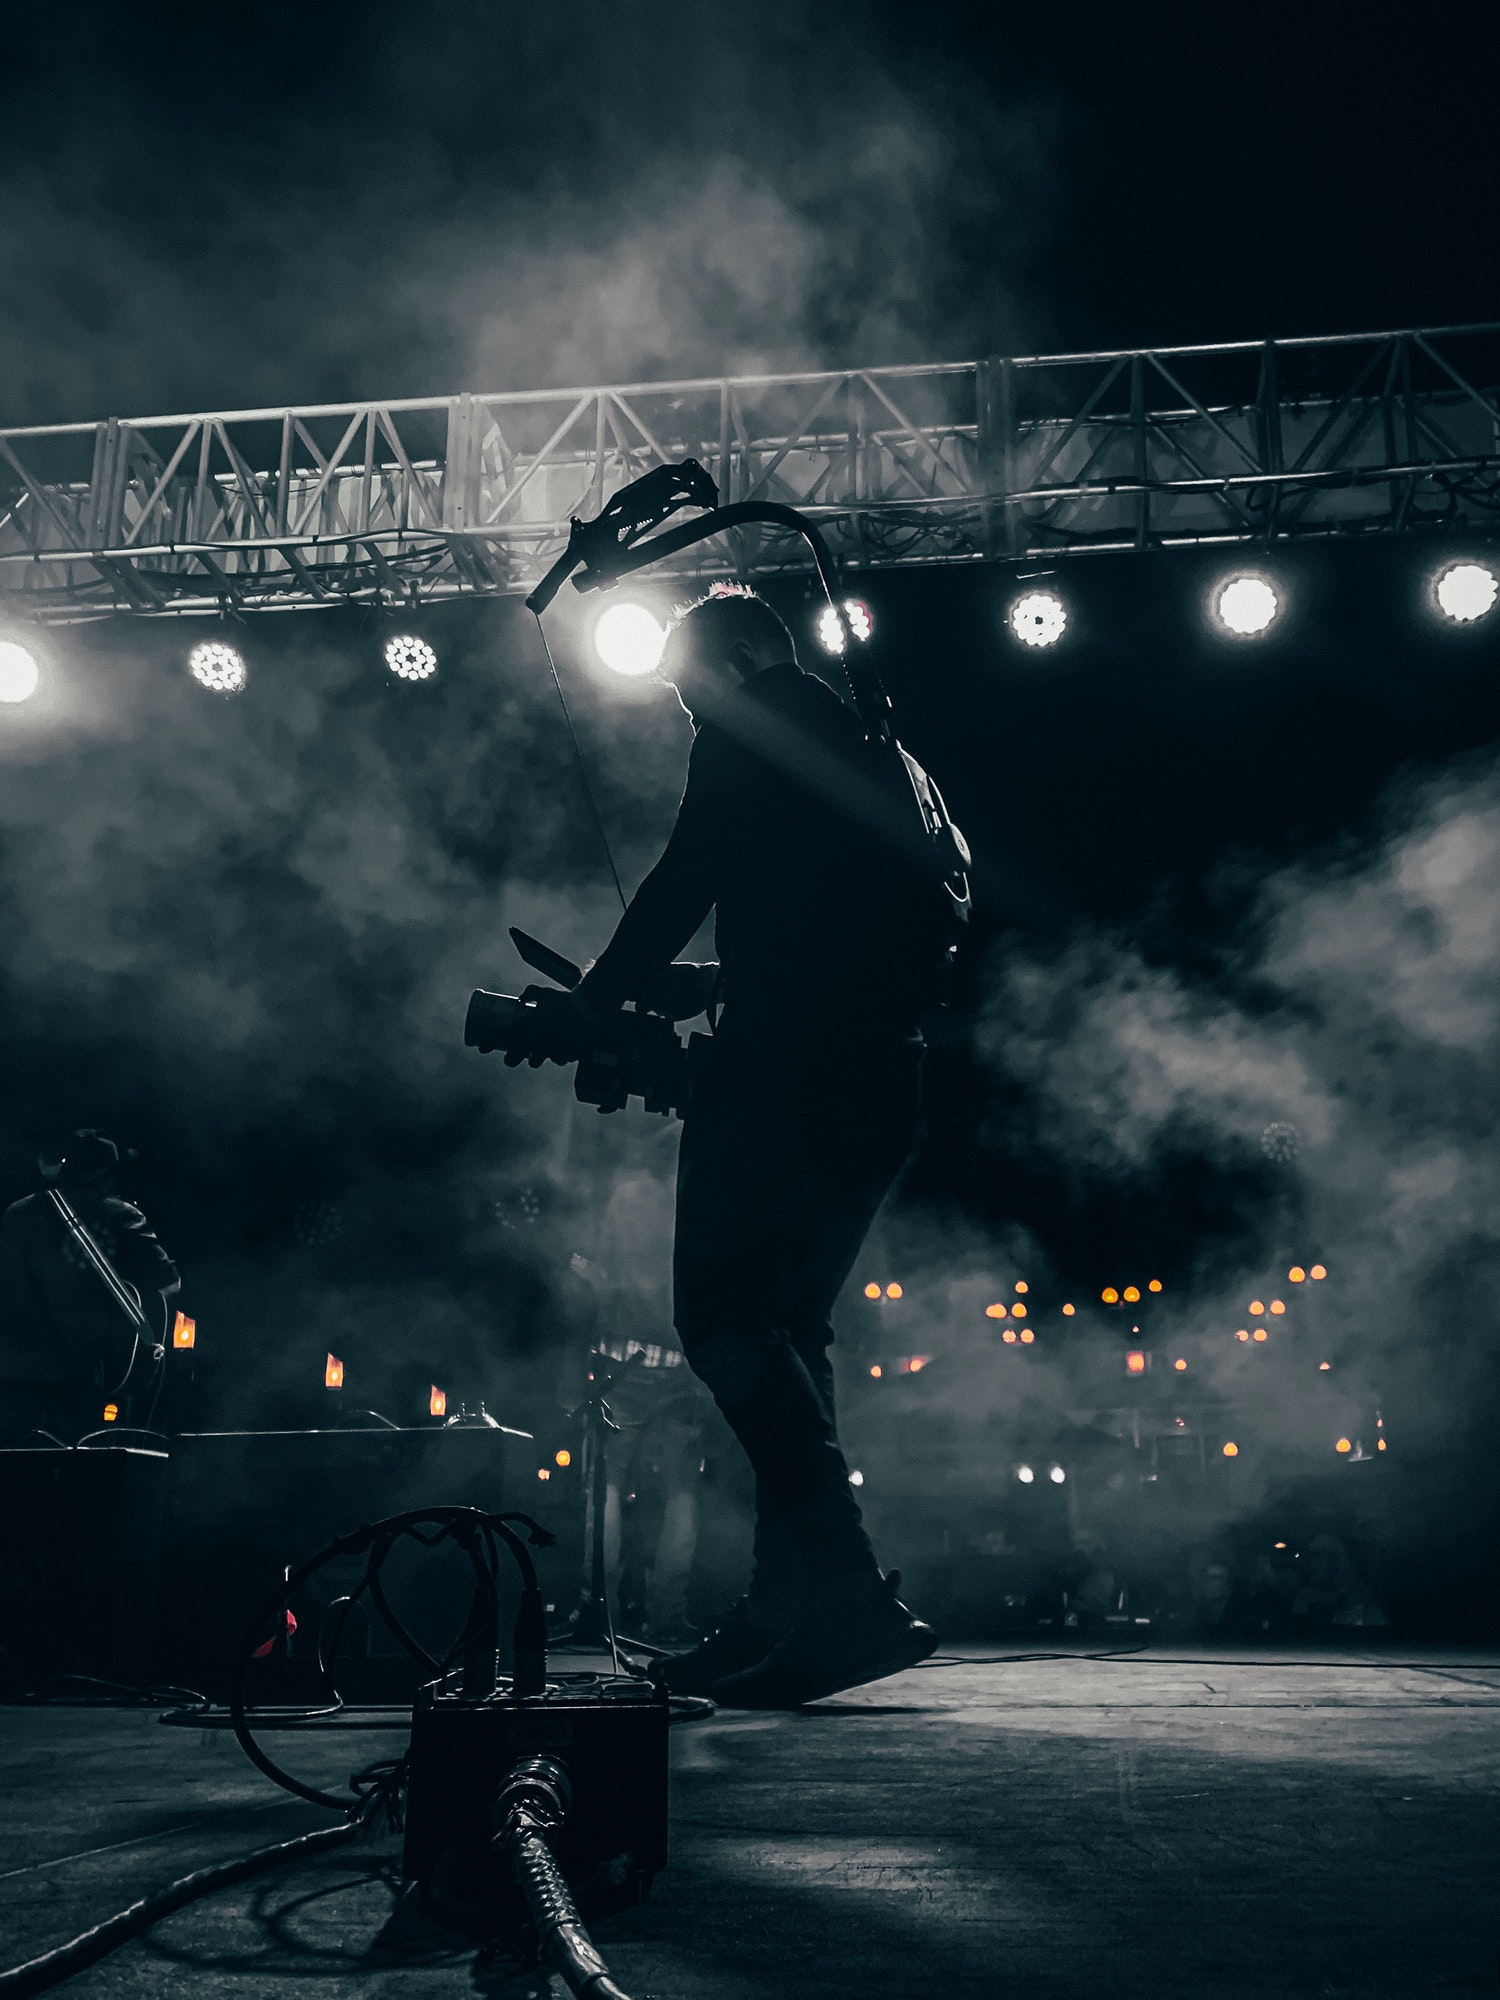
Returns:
<point x="995" y="460"/>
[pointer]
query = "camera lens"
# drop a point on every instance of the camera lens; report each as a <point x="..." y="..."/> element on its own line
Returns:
<point x="494" y="1021"/>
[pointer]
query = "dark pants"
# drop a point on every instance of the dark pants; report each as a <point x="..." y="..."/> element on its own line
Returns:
<point x="783" y="1165"/>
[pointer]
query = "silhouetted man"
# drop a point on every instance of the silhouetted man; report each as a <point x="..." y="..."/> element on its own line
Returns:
<point x="831" y="947"/>
<point x="65" y="1345"/>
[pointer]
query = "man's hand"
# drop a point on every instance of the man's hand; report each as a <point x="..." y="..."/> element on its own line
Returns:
<point x="564" y="1027"/>
<point x="680" y="992"/>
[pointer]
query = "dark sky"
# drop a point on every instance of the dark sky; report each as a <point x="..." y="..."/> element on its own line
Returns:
<point x="201" y="207"/>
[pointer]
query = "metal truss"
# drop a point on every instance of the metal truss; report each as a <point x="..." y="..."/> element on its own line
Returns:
<point x="1010" y="460"/>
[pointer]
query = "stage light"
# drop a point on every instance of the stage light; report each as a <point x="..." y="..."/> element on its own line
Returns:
<point x="333" y="1373"/>
<point x="1056" y="1474"/>
<point x="1343" y="1445"/>
<point x="1180" y="1365"/>
<point x="1318" y="1271"/>
<point x="918" y="1363"/>
<point x="872" y="1291"/>
<point x="1135" y="1362"/>
<point x="437" y="1401"/>
<point x="1009" y="1336"/>
<point x="1245" y="605"/>
<point x="1132" y="1295"/>
<point x="856" y="1479"/>
<point x="1278" y="1305"/>
<point x="994" y="1312"/>
<point x="1231" y="1451"/>
<point x="1018" y="1310"/>
<point x="1243" y="1334"/>
<point x="19" y="672"/>
<point x="1380" y="1444"/>
<point x="1260" y="1333"/>
<point x="1027" y="1335"/>
<point x="217" y="667"/>
<point x="1297" y="1275"/>
<point x="1324" y="1366"/>
<point x="894" y="1292"/>
<point x="543" y="1472"/>
<point x="830" y="633"/>
<point x="1110" y="1296"/>
<point x="1025" y="1474"/>
<point x="1038" y="618"/>
<point x="563" y="1458"/>
<point x="877" y="1371"/>
<point x="410" y="659"/>
<point x="1154" y="1286"/>
<point x="1068" y="1311"/>
<point x="111" y="1412"/>
<point x="1022" y="1288"/>
<point x="1257" y="1308"/>
<point x="1465" y="591"/>
<point x="184" y="1331"/>
<point x="629" y="639"/>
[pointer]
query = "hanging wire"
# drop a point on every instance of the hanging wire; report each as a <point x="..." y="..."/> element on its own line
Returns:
<point x="583" y="769"/>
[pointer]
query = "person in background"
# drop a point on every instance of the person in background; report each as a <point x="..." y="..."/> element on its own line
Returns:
<point x="66" y="1347"/>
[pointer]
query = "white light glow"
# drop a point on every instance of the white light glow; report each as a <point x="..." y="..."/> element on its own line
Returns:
<point x="830" y="633"/>
<point x="410" y="659"/>
<point x="629" y="639"/>
<point x="1465" y="591"/>
<point x="1038" y="618"/>
<point x="1056" y="1474"/>
<point x="19" y="672"/>
<point x="1245" y="605"/>
<point x="856" y="1479"/>
<point x="217" y="667"/>
<point x="1025" y="1474"/>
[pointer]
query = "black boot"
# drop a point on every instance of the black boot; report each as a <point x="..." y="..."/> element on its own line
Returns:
<point x="743" y="1637"/>
<point x="852" y="1638"/>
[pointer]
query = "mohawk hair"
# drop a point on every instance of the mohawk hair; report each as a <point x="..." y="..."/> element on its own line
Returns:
<point x="727" y="613"/>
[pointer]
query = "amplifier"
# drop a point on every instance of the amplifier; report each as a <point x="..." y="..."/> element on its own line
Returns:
<point x="244" y="1508"/>
<point x="78" y="1561"/>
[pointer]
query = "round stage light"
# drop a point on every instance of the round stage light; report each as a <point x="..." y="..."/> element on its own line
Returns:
<point x="1245" y="605"/>
<point x="629" y="639"/>
<point x="217" y="667"/>
<point x="19" y="672"/>
<point x="1056" y="1474"/>
<point x="1025" y="1474"/>
<point x="830" y="633"/>
<point x="410" y="659"/>
<point x="1038" y="618"/>
<point x="1465" y="591"/>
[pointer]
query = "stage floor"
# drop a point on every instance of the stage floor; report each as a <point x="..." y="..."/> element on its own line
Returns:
<point x="1220" y="1824"/>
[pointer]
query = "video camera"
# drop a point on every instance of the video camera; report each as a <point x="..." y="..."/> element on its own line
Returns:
<point x="631" y="1054"/>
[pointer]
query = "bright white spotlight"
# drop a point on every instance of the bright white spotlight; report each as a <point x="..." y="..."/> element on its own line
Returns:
<point x="410" y="659"/>
<point x="1038" y="618"/>
<point x="830" y="633"/>
<point x="629" y="639"/>
<point x="1465" y="591"/>
<point x="1056" y="1474"/>
<point x="19" y="672"/>
<point x="1025" y="1474"/>
<point x="1245" y="605"/>
<point x="217" y="667"/>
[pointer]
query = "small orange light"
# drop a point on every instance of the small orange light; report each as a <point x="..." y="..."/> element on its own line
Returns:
<point x="1068" y="1311"/>
<point x="1280" y="1545"/>
<point x="872" y="1291"/>
<point x="437" y="1401"/>
<point x="1278" y="1305"/>
<point x="918" y="1363"/>
<point x="1257" y="1308"/>
<point x="1343" y="1445"/>
<point x="1259" y="1334"/>
<point x="1018" y="1311"/>
<point x="1135" y="1362"/>
<point x="1009" y="1336"/>
<point x="994" y="1312"/>
<point x="1110" y="1296"/>
<point x="893" y="1291"/>
<point x="1231" y="1451"/>
<point x="1324" y="1366"/>
<point x="1154" y="1286"/>
<point x="111" y="1412"/>
<point x="1022" y="1287"/>
<point x="1297" y="1274"/>
<point x="1318" y="1271"/>
<point x="543" y="1472"/>
<point x="562" y="1458"/>
<point x="1179" y="1364"/>
<point x="184" y="1331"/>
<point x="1380" y="1444"/>
<point x="877" y="1371"/>
<point x="1243" y="1334"/>
<point x="1132" y="1294"/>
<point x="333" y="1373"/>
<point x="1027" y="1335"/>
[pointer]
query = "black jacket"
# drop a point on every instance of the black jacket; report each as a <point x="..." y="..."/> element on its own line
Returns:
<point x="793" y="830"/>
<point x="56" y="1317"/>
